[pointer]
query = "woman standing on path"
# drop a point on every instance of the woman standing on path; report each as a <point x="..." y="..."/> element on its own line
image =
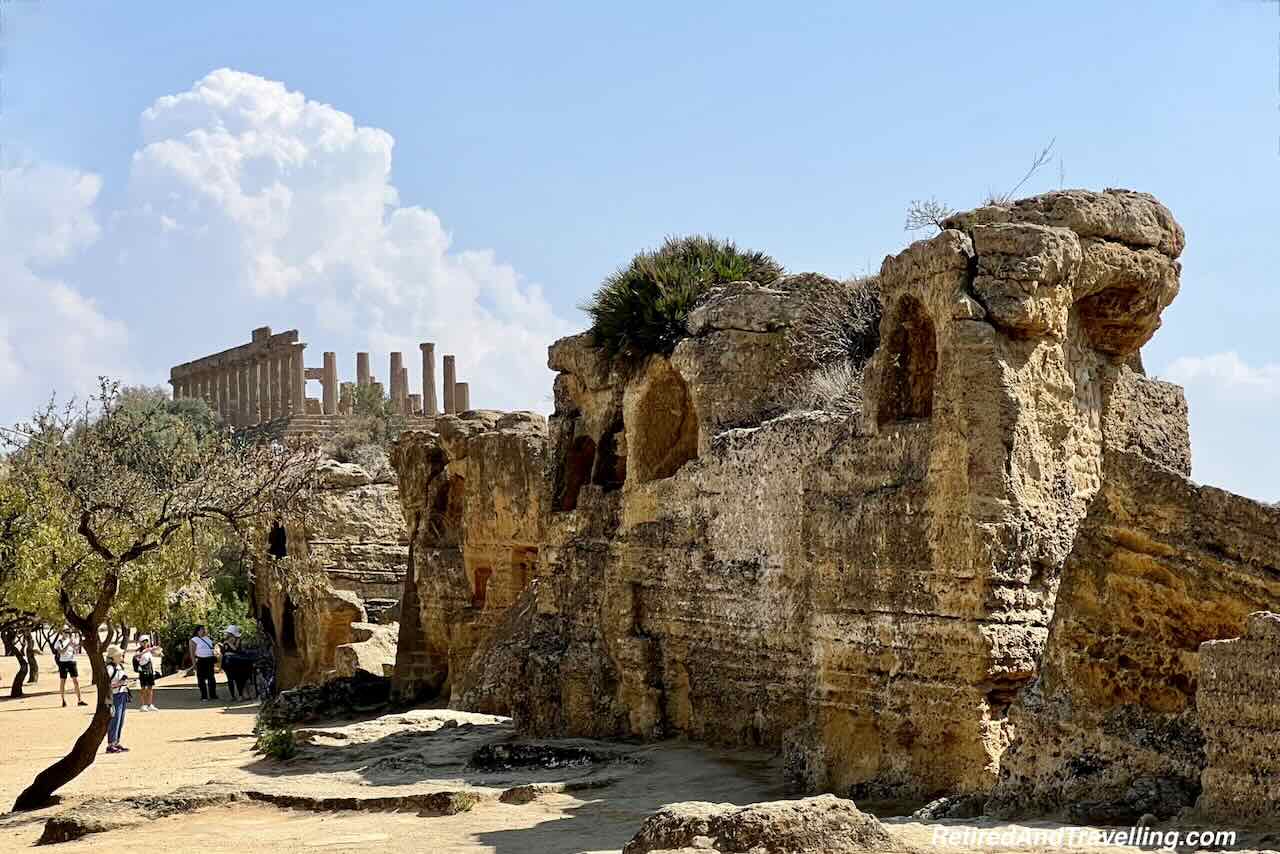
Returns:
<point x="65" y="649"/>
<point x="144" y="664"/>
<point x="202" y="654"/>
<point x="119" y="680"/>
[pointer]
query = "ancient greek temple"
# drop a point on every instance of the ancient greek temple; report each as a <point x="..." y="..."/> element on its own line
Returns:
<point x="266" y="379"/>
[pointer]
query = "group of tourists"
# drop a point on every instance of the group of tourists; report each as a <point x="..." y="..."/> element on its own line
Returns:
<point x="204" y="651"/>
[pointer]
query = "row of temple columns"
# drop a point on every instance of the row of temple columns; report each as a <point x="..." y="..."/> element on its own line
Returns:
<point x="266" y="379"/>
<point x="457" y="395"/>
<point x="260" y="388"/>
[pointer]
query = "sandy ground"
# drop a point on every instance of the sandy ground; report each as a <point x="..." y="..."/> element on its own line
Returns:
<point x="401" y="755"/>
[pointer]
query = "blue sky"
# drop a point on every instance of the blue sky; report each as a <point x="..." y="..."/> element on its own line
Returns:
<point x="476" y="171"/>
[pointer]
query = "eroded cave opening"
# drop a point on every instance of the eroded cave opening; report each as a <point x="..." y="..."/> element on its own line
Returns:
<point x="576" y="471"/>
<point x="278" y="541"/>
<point x="911" y="365"/>
<point x="288" y="629"/>
<point x="663" y="433"/>
<point x="480" y="586"/>
<point x="611" y="461"/>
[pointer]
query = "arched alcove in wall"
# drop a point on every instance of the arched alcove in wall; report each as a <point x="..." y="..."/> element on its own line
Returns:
<point x="910" y="354"/>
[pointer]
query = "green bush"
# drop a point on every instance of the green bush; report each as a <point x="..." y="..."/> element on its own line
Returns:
<point x="214" y="613"/>
<point x="643" y="308"/>
<point x="276" y="743"/>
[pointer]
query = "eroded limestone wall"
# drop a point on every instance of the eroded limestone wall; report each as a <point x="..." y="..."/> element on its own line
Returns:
<point x="870" y="595"/>
<point x="1161" y="566"/>
<point x="356" y="532"/>
<point x="472" y="496"/>
<point x="1238" y="703"/>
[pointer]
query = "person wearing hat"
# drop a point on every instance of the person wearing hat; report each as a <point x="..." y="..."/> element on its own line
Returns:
<point x="144" y="664"/>
<point x="118" y="679"/>
<point x="230" y="660"/>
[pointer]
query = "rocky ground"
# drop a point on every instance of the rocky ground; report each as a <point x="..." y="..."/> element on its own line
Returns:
<point x="427" y="780"/>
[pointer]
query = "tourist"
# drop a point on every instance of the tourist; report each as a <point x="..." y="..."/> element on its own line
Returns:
<point x="232" y="661"/>
<point x="66" y="647"/>
<point x="118" y="679"/>
<point x="145" y="661"/>
<point x="203" y="654"/>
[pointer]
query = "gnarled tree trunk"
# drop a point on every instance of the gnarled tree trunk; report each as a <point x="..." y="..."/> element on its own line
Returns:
<point x="33" y="666"/>
<point x="19" y="655"/>
<point x="85" y="750"/>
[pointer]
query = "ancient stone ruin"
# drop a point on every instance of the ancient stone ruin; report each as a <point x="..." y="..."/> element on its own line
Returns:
<point x="994" y="581"/>
<point x="356" y="533"/>
<point x="266" y="380"/>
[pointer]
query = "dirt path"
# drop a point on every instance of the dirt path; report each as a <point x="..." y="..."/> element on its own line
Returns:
<point x="592" y="806"/>
<point x="186" y="742"/>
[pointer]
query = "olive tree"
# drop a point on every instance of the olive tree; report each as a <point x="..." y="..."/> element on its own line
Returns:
<point x="121" y="502"/>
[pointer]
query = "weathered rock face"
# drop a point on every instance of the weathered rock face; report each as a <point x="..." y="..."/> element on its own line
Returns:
<point x="372" y="651"/>
<point x="1238" y="703"/>
<point x="871" y="595"/>
<point x="821" y="825"/>
<point x="1159" y="567"/>
<point x="356" y="531"/>
<point x="473" y="495"/>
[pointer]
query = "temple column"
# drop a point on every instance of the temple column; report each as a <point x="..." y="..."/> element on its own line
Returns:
<point x="278" y="404"/>
<point x="244" y="380"/>
<point x="254" y="390"/>
<point x="450" y="385"/>
<point x="462" y="397"/>
<point x="404" y="390"/>
<point x="297" y="380"/>
<point x="221" y="382"/>
<point x="330" y="383"/>
<point x="397" y="363"/>
<point x="362" y="369"/>
<point x="233" y="395"/>
<point x="264" y="389"/>
<point x="428" y="378"/>
<point x="415" y="404"/>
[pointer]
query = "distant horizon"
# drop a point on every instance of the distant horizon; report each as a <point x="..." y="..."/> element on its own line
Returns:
<point x="175" y="177"/>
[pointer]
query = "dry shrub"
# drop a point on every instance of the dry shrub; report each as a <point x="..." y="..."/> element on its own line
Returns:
<point x="836" y="321"/>
<point x="835" y="388"/>
<point x="835" y="332"/>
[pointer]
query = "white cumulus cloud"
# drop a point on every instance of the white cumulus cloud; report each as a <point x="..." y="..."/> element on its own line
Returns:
<point x="256" y="196"/>
<point x="248" y="204"/>
<point x="1235" y="407"/>
<point x="52" y="336"/>
<point x="1228" y="374"/>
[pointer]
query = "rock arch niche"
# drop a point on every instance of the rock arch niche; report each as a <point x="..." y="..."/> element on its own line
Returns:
<point x="576" y="471"/>
<point x="910" y="365"/>
<point x="661" y="423"/>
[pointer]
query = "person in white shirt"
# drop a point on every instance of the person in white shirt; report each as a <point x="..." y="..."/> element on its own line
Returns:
<point x="202" y="653"/>
<point x="66" y="647"/>
<point x="118" y="678"/>
<point x="145" y="662"/>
